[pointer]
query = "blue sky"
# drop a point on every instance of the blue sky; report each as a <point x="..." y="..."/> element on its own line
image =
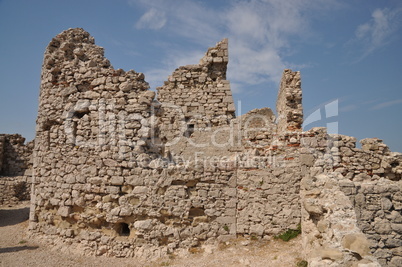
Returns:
<point x="349" y="53"/>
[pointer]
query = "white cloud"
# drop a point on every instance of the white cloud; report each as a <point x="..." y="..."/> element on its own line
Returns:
<point x="156" y="76"/>
<point x="259" y="31"/>
<point x="387" y="104"/>
<point x="377" y="32"/>
<point x="153" y="19"/>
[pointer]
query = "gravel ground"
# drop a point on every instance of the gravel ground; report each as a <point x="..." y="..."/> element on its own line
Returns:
<point x="16" y="249"/>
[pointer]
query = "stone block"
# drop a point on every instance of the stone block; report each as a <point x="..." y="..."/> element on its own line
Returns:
<point x="117" y="180"/>
<point x="357" y="243"/>
<point x="64" y="211"/>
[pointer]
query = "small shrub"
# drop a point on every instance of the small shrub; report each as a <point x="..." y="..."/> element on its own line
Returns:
<point x="302" y="263"/>
<point x="254" y="238"/>
<point x="195" y="250"/>
<point x="226" y="228"/>
<point x="22" y="242"/>
<point x="289" y="234"/>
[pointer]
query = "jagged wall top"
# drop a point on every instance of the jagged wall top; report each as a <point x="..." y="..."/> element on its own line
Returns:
<point x="199" y="95"/>
<point x="289" y="103"/>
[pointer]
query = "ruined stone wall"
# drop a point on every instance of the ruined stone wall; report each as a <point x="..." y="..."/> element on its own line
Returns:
<point x="15" y="155"/>
<point x="15" y="169"/>
<point x="351" y="203"/>
<point x="289" y="105"/>
<point x="197" y="96"/>
<point x="117" y="173"/>
<point x="94" y="129"/>
<point x="100" y="180"/>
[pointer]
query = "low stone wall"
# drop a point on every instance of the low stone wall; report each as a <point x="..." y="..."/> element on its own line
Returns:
<point x="15" y="169"/>
<point x="14" y="189"/>
<point x="16" y="157"/>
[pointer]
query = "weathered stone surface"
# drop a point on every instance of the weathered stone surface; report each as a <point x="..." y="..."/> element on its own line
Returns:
<point x="15" y="168"/>
<point x="179" y="171"/>
<point x="357" y="243"/>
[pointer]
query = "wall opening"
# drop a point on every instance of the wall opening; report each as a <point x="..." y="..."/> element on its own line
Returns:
<point x="190" y="130"/>
<point x="123" y="229"/>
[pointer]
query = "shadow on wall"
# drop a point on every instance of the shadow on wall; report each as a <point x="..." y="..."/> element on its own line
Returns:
<point x="14" y="216"/>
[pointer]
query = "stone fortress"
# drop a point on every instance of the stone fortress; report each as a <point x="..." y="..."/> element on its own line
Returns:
<point x="120" y="170"/>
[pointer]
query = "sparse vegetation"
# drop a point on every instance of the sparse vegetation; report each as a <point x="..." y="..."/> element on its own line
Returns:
<point x="195" y="250"/>
<point x="289" y="234"/>
<point x="254" y="238"/>
<point x="22" y="242"/>
<point x="302" y="263"/>
<point x="226" y="228"/>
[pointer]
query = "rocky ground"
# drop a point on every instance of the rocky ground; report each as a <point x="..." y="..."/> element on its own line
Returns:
<point x="16" y="249"/>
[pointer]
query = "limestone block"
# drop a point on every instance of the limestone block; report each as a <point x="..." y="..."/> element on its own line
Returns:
<point x="82" y="105"/>
<point x="357" y="243"/>
<point x="110" y="162"/>
<point x="126" y="86"/>
<point x="330" y="253"/>
<point x="125" y="211"/>
<point x="140" y="190"/>
<point x="143" y="225"/>
<point x="257" y="229"/>
<point x="64" y="211"/>
<point x="117" y="180"/>
<point x="307" y="159"/>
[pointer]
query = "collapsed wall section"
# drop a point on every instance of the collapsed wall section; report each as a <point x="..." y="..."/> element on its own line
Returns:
<point x="351" y="200"/>
<point x="197" y="96"/>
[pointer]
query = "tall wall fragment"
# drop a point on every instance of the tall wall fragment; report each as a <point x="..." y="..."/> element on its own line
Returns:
<point x="289" y="103"/>
<point x="99" y="178"/>
<point x="94" y="132"/>
<point x="197" y="96"/>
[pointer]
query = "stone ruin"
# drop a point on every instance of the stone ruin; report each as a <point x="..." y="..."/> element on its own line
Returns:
<point x="120" y="170"/>
<point x="15" y="168"/>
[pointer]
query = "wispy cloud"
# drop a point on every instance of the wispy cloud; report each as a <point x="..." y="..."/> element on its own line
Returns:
<point x="387" y="104"/>
<point x="348" y="108"/>
<point x="378" y="32"/>
<point x="173" y="60"/>
<point x="153" y="19"/>
<point x="260" y="32"/>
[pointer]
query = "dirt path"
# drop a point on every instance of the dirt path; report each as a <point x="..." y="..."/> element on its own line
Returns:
<point x="17" y="250"/>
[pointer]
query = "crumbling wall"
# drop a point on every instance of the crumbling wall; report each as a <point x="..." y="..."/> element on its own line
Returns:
<point x="120" y="174"/>
<point x="95" y="131"/>
<point x="351" y="204"/>
<point x="289" y="104"/>
<point x="100" y="180"/>
<point x="197" y="96"/>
